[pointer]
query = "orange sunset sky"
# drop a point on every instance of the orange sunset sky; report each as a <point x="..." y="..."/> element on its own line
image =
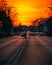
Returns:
<point x="29" y="10"/>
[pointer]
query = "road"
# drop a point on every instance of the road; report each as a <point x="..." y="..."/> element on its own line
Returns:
<point x="37" y="52"/>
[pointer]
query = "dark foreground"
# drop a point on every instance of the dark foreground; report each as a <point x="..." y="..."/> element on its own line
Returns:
<point x="36" y="50"/>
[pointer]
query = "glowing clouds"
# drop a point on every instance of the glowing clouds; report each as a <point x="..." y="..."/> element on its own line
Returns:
<point x="25" y="13"/>
<point x="28" y="10"/>
<point x="28" y="13"/>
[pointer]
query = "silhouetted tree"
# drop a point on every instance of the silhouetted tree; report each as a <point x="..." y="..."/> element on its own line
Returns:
<point x="6" y="22"/>
<point x="3" y="19"/>
<point x="49" y="26"/>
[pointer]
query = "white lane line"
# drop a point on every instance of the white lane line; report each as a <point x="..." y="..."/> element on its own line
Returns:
<point x="18" y="57"/>
<point x="15" y="55"/>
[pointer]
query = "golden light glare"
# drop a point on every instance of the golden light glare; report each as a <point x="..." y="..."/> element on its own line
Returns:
<point x="25" y="14"/>
<point x="29" y="10"/>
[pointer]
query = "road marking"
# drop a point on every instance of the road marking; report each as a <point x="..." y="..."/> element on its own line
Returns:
<point x="15" y="56"/>
<point x="9" y="50"/>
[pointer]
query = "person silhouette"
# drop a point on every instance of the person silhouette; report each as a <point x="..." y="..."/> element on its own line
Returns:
<point x="25" y="35"/>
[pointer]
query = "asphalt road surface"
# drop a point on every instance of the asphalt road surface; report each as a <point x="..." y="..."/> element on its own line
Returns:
<point x="37" y="52"/>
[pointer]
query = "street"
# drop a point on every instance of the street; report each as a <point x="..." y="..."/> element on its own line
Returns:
<point x="36" y="50"/>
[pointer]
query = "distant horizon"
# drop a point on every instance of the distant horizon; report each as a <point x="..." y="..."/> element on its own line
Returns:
<point x="20" y="24"/>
